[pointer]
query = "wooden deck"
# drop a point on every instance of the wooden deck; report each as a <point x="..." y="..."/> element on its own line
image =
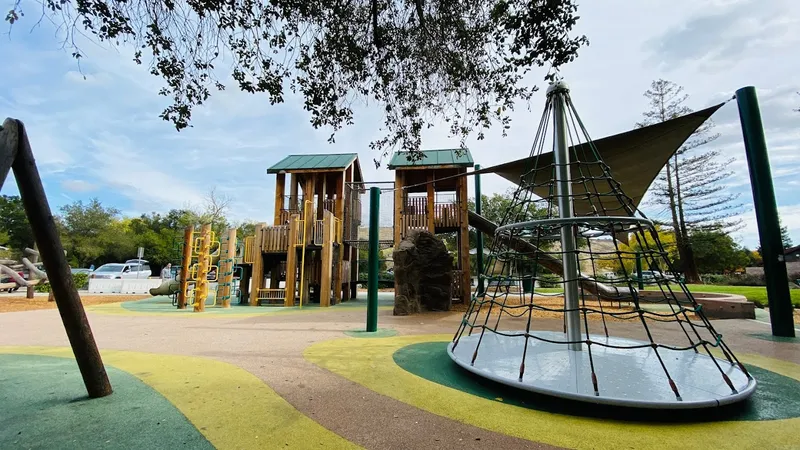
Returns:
<point x="415" y="215"/>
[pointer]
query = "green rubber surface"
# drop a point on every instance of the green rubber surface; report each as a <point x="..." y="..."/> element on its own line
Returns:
<point x="770" y="337"/>
<point x="163" y="304"/>
<point x="43" y="404"/>
<point x="380" y="333"/>
<point x="776" y="396"/>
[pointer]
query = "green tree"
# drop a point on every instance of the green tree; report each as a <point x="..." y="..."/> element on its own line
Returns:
<point x="91" y="234"/>
<point x="14" y="224"/>
<point x="716" y="252"/>
<point x="785" y="238"/>
<point x="463" y="61"/>
<point x="691" y="186"/>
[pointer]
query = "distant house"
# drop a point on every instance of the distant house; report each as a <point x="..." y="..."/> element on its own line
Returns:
<point x="792" y="254"/>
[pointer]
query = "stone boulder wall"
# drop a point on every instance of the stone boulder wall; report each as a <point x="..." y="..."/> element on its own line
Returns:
<point x="423" y="274"/>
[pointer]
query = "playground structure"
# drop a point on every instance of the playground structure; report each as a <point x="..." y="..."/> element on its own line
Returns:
<point x="431" y="194"/>
<point x="566" y="199"/>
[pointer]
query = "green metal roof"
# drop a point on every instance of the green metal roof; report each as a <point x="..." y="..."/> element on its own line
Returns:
<point x="445" y="157"/>
<point x="312" y="162"/>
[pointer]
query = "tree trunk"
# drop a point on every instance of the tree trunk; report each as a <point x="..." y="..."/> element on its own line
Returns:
<point x="690" y="270"/>
<point x="676" y="229"/>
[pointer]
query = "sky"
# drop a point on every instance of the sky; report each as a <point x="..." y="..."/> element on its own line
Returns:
<point x="95" y="130"/>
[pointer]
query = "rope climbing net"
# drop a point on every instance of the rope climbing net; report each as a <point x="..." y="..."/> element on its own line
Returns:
<point x="567" y="247"/>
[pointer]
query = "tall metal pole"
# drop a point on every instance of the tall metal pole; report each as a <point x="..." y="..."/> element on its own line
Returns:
<point x="564" y="194"/>
<point x="479" y="239"/>
<point x="48" y="241"/>
<point x="769" y="232"/>
<point x="372" y="280"/>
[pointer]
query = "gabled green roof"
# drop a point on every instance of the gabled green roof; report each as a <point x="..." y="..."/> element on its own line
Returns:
<point x="312" y="162"/>
<point x="432" y="158"/>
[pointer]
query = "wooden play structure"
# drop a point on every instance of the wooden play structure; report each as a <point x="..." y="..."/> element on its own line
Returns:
<point x="438" y="207"/>
<point x="304" y="246"/>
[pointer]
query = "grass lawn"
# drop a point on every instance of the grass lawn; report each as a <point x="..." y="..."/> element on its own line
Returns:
<point x="756" y="294"/>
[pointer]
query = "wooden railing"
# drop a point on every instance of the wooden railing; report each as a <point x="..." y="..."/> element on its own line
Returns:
<point x="455" y="287"/>
<point x="271" y="296"/>
<point x="319" y="229"/>
<point x="275" y="239"/>
<point x="415" y="214"/>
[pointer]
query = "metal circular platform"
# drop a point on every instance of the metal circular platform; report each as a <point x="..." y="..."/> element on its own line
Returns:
<point x="626" y="377"/>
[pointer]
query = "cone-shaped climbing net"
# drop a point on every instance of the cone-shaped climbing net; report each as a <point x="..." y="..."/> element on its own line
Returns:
<point x="567" y="247"/>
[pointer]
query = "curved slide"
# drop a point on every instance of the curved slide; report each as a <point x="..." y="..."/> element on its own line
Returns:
<point x="552" y="264"/>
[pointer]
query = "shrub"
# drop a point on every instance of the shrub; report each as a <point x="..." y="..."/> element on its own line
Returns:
<point x="81" y="281"/>
<point x="747" y="280"/>
<point x="712" y="278"/>
<point x="549" y="280"/>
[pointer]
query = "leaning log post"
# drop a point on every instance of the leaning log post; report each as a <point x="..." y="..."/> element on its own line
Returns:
<point x="46" y="235"/>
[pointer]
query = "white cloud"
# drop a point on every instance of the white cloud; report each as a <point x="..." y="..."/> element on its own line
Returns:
<point x="79" y="186"/>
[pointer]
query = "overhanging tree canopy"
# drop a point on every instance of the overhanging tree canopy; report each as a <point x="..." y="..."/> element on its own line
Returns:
<point x="461" y="61"/>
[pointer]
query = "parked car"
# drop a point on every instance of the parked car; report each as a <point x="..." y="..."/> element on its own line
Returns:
<point x="122" y="270"/>
<point x="656" y="275"/>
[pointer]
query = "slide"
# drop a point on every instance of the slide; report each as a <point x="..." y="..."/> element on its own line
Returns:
<point x="168" y="287"/>
<point x="550" y="262"/>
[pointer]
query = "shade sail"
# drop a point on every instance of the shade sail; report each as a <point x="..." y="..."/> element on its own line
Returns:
<point x="634" y="158"/>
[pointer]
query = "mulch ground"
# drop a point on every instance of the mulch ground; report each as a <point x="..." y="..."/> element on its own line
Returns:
<point x="16" y="303"/>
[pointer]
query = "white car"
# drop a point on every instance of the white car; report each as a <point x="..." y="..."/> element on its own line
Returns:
<point x="136" y="269"/>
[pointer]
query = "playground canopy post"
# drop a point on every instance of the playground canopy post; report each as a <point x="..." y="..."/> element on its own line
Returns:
<point x="15" y="152"/>
<point x="769" y="230"/>
<point x="479" y="235"/>
<point x="374" y="235"/>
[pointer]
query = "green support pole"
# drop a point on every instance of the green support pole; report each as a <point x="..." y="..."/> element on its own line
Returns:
<point x="639" y="271"/>
<point x="755" y="146"/>
<point x="479" y="243"/>
<point x="372" y="281"/>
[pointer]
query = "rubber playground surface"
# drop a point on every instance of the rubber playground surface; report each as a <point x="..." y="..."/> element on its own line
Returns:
<point x="274" y="377"/>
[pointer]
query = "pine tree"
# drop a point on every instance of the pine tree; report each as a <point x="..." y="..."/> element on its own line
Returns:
<point x="691" y="186"/>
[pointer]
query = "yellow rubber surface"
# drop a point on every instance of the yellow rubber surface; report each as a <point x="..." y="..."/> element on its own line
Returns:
<point x="230" y="406"/>
<point x="369" y="362"/>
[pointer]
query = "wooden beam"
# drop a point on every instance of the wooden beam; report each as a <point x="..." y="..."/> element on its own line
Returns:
<point x="327" y="260"/>
<point x="186" y="261"/>
<point x="294" y="200"/>
<point x="463" y="251"/>
<point x="257" y="277"/>
<point x="203" y="259"/>
<point x="308" y="206"/>
<point x="48" y="240"/>
<point x="323" y="189"/>
<point x="291" y="261"/>
<point x="398" y="208"/>
<point x="339" y="213"/>
<point x="280" y="189"/>
<point x="431" y="203"/>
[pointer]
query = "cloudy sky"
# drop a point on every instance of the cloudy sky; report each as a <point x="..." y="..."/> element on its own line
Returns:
<point x="96" y="133"/>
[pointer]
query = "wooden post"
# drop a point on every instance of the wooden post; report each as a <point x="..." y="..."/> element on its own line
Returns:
<point x="257" y="277"/>
<point x="203" y="262"/>
<point x="48" y="241"/>
<point x="327" y="260"/>
<point x="431" y="203"/>
<point x="227" y="280"/>
<point x="322" y="180"/>
<point x="339" y="207"/>
<point x="280" y="189"/>
<point x="244" y="284"/>
<point x="294" y="200"/>
<point x="308" y="206"/>
<point x="186" y="261"/>
<point x="463" y="250"/>
<point x="291" y="261"/>
<point x="398" y="207"/>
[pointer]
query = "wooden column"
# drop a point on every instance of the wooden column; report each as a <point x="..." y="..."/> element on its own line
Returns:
<point x="322" y="180"/>
<point x="291" y="261"/>
<point x="339" y="213"/>
<point x="30" y="290"/>
<point x="308" y="206"/>
<point x="327" y="260"/>
<point x="203" y="261"/>
<point x="431" y="203"/>
<point x="294" y="200"/>
<point x="275" y="276"/>
<point x="186" y="261"/>
<point x="463" y="250"/>
<point x="280" y="189"/>
<point x="258" y="265"/>
<point x="227" y="279"/>
<point x="398" y="207"/>
<point x="244" y="284"/>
